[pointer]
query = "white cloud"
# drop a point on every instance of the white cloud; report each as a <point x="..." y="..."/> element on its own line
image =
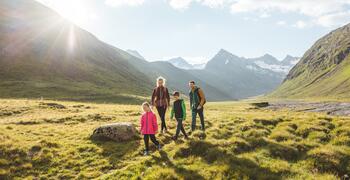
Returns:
<point x="184" y="4"/>
<point x="180" y="4"/>
<point x="322" y="12"/>
<point x="118" y="3"/>
<point x="335" y="19"/>
<point x="300" y="24"/>
<point x="281" y="23"/>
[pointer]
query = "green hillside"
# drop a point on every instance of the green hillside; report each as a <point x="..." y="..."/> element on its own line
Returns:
<point x="43" y="55"/>
<point x="324" y="70"/>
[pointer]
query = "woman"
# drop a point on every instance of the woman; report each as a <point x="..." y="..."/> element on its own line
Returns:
<point x="161" y="100"/>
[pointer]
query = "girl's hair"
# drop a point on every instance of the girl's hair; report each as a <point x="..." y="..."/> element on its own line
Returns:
<point x="160" y="78"/>
<point x="146" y="104"/>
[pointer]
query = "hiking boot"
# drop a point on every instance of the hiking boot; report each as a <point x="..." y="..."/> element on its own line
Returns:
<point x="146" y="153"/>
<point x="159" y="147"/>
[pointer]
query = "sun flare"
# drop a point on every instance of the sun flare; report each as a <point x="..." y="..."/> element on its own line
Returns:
<point x="75" y="11"/>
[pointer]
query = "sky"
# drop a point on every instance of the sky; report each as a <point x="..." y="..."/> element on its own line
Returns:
<point x="197" y="29"/>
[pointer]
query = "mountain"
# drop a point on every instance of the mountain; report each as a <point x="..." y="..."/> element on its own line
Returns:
<point x="238" y="77"/>
<point x="269" y="62"/>
<point x="290" y="61"/>
<point x="323" y="71"/>
<point x="181" y="63"/>
<point x="44" y="55"/>
<point x="135" y="53"/>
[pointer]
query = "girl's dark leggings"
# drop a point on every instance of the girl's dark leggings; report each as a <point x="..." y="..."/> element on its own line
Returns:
<point x="153" y="139"/>
<point x="161" y="112"/>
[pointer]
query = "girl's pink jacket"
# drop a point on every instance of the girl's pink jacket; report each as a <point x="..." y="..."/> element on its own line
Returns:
<point x="149" y="123"/>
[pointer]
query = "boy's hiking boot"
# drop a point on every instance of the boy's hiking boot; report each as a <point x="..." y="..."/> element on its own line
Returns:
<point x="146" y="153"/>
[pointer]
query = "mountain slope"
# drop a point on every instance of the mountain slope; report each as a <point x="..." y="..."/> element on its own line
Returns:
<point x="324" y="70"/>
<point x="43" y="55"/>
<point x="135" y="53"/>
<point x="181" y="63"/>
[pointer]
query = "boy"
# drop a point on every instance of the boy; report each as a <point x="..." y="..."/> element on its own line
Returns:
<point x="179" y="109"/>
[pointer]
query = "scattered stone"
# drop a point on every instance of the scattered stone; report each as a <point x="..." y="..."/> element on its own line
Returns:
<point x="118" y="132"/>
<point x="330" y="108"/>
<point x="52" y="105"/>
<point x="260" y="104"/>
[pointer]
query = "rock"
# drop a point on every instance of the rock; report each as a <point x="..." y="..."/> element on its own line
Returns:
<point x="52" y="105"/>
<point x="117" y="131"/>
<point x="260" y="104"/>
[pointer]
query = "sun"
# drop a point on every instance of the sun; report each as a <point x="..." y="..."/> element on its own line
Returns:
<point x="75" y="11"/>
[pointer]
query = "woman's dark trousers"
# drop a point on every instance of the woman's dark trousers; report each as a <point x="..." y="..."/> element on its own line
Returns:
<point x="161" y="112"/>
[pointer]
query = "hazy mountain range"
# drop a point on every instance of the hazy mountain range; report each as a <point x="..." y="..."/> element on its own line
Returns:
<point x="267" y="62"/>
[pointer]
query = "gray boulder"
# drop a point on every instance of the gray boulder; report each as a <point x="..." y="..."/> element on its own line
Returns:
<point x="117" y="131"/>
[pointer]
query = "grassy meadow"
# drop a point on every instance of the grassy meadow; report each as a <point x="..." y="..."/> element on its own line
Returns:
<point x="51" y="140"/>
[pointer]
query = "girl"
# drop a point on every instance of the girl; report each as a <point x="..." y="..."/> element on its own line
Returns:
<point x="161" y="99"/>
<point x="149" y="127"/>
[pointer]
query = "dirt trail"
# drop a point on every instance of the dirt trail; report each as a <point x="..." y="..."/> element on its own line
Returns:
<point x="331" y="108"/>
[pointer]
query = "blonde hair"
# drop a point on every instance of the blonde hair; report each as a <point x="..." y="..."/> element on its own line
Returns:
<point x="160" y="78"/>
<point x="145" y="104"/>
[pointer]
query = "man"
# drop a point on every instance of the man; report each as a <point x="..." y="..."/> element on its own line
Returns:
<point x="197" y="101"/>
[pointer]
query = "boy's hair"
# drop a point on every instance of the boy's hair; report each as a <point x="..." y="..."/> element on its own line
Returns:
<point x="176" y="93"/>
<point x="192" y="82"/>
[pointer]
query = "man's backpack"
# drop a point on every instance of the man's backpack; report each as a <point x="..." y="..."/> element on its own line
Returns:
<point x="197" y="91"/>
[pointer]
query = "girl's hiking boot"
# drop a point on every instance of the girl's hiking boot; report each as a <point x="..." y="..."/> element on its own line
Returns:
<point x="146" y="153"/>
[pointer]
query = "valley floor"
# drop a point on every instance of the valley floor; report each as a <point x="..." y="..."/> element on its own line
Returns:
<point x="49" y="139"/>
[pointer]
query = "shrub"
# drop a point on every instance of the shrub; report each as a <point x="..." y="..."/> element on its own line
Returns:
<point x="330" y="159"/>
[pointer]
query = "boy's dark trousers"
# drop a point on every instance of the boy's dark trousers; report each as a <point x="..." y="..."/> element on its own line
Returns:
<point x="161" y="112"/>
<point x="194" y="117"/>
<point x="153" y="139"/>
<point x="180" y="127"/>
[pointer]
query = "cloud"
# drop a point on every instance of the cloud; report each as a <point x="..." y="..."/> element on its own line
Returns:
<point x="281" y="23"/>
<point x="180" y="4"/>
<point x="184" y="4"/>
<point x="322" y="12"/>
<point x="334" y="19"/>
<point x="300" y="24"/>
<point x="118" y="3"/>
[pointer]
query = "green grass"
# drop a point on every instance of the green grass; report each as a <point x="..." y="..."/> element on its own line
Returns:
<point x="52" y="141"/>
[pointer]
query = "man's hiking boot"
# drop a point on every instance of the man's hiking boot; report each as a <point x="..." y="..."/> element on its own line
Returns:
<point x="146" y="153"/>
